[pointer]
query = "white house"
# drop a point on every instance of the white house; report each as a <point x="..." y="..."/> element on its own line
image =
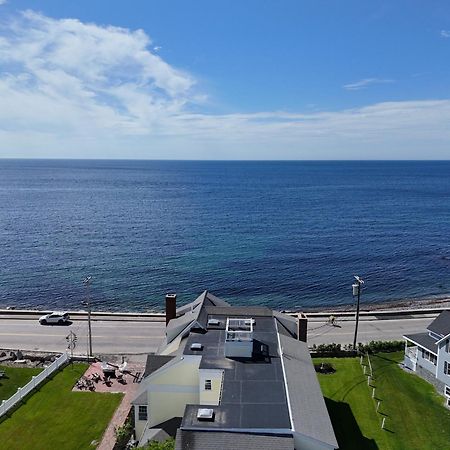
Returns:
<point x="428" y="354"/>
<point x="232" y="377"/>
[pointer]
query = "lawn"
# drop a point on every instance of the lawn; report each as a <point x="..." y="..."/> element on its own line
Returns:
<point x="55" y="417"/>
<point x="15" y="377"/>
<point x="415" y="415"/>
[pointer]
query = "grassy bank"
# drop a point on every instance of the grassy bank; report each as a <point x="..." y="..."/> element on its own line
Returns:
<point x="415" y="415"/>
<point x="55" y="417"/>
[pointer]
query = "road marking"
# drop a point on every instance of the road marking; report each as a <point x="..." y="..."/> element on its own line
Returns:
<point x="93" y="336"/>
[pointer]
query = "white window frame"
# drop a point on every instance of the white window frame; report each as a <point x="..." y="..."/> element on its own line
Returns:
<point x="142" y="412"/>
<point x="446" y="368"/>
<point x="429" y="356"/>
<point x="208" y="385"/>
<point x="447" y="391"/>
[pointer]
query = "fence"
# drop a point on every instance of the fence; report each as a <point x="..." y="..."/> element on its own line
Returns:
<point x="35" y="381"/>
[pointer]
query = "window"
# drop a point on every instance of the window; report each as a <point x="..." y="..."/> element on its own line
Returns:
<point x="447" y="391"/>
<point x="208" y="385"/>
<point x="429" y="356"/>
<point x="142" y="412"/>
<point x="446" y="368"/>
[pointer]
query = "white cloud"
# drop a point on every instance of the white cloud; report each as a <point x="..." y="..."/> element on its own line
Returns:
<point x="366" y="82"/>
<point x="70" y="89"/>
<point x="445" y="34"/>
<point x="2" y="2"/>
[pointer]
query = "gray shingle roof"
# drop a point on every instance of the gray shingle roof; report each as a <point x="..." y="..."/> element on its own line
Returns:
<point x="201" y="440"/>
<point x="441" y="325"/>
<point x="154" y="362"/>
<point x="288" y="324"/>
<point x="424" y="340"/>
<point x="309" y="412"/>
<point x="231" y="311"/>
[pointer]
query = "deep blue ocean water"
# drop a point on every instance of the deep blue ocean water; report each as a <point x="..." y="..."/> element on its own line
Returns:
<point x="283" y="234"/>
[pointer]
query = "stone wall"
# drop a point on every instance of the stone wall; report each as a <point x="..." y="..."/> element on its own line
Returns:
<point x="428" y="376"/>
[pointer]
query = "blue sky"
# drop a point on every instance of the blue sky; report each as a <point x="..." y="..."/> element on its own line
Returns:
<point x="225" y="80"/>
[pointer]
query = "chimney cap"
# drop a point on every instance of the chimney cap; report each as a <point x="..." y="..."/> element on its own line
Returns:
<point x="171" y="295"/>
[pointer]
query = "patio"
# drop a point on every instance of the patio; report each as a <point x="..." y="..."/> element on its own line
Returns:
<point x="126" y="385"/>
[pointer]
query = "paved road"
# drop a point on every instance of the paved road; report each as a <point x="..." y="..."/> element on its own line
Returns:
<point x="107" y="336"/>
<point x="369" y="329"/>
<point x="139" y="337"/>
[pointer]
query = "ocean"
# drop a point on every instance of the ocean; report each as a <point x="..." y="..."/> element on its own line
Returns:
<point x="289" y="235"/>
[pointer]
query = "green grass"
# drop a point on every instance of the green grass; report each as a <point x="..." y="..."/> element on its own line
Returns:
<point x="54" y="417"/>
<point x="415" y="416"/>
<point x="15" y="377"/>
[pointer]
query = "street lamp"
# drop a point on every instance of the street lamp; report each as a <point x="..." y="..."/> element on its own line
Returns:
<point x="87" y="303"/>
<point x="356" y="287"/>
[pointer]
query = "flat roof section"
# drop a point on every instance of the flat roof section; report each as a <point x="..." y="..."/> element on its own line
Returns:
<point x="236" y="416"/>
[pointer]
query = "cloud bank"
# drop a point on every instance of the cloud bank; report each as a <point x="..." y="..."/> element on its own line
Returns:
<point x="73" y="89"/>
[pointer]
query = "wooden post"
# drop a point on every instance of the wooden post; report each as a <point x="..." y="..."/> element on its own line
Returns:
<point x="368" y="380"/>
<point x="373" y="393"/>
<point x="378" y="405"/>
<point x="382" y="423"/>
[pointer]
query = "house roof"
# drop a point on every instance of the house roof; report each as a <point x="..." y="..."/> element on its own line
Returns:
<point x="253" y="392"/>
<point x="287" y="324"/>
<point x="441" y="325"/>
<point x="308" y="410"/>
<point x="187" y="440"/>
<point x="274" y="391"/>
<point x="423" y="340"/>
<point x="190" y="315"/>
<point x="155" y="362"/>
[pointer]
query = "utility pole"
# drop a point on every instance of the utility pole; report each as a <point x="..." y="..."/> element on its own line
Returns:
<point x="87" y="303"/>
<point x="357" y="293"/>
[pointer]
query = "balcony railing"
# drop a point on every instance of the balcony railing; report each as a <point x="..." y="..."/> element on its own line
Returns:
<point x="411" y="353"/>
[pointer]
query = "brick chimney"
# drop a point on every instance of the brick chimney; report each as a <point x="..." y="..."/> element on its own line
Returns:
<point x="171" y="307"/>
<point x="302" y="327"/>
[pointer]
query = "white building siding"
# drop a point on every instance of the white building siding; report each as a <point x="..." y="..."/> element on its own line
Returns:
<point x="444" y="356"/>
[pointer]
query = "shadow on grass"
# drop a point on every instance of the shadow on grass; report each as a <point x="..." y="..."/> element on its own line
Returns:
<point x="348" y="433"/>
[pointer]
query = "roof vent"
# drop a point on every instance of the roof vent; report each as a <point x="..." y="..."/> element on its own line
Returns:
<point x="196" y="346"/>
<point x="213" y="322"/>
<point x="205" y="414"/>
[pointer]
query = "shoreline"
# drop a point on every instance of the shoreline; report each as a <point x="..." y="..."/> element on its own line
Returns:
<point x="391" y="305"/>
<point x="411" y="304"/>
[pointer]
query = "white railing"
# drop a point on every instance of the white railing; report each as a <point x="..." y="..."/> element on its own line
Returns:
<point x="411" y="353"/>
<point x="6" y="405"/>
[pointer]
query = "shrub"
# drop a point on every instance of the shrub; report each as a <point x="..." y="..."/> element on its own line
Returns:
<point x="166" y="445"/>
<point x="347" y="349"/>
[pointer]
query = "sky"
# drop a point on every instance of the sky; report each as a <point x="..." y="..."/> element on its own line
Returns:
<point x="251" y="79"/>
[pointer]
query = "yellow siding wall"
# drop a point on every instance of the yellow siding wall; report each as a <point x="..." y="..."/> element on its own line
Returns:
<point x="172" y="389"/>
<point x="166" y="405"/>
<point x="211" y="397"/>
<point x="139" y="425"/>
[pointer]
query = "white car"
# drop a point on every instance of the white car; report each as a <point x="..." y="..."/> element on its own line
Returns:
<point x="55" y="317"/>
